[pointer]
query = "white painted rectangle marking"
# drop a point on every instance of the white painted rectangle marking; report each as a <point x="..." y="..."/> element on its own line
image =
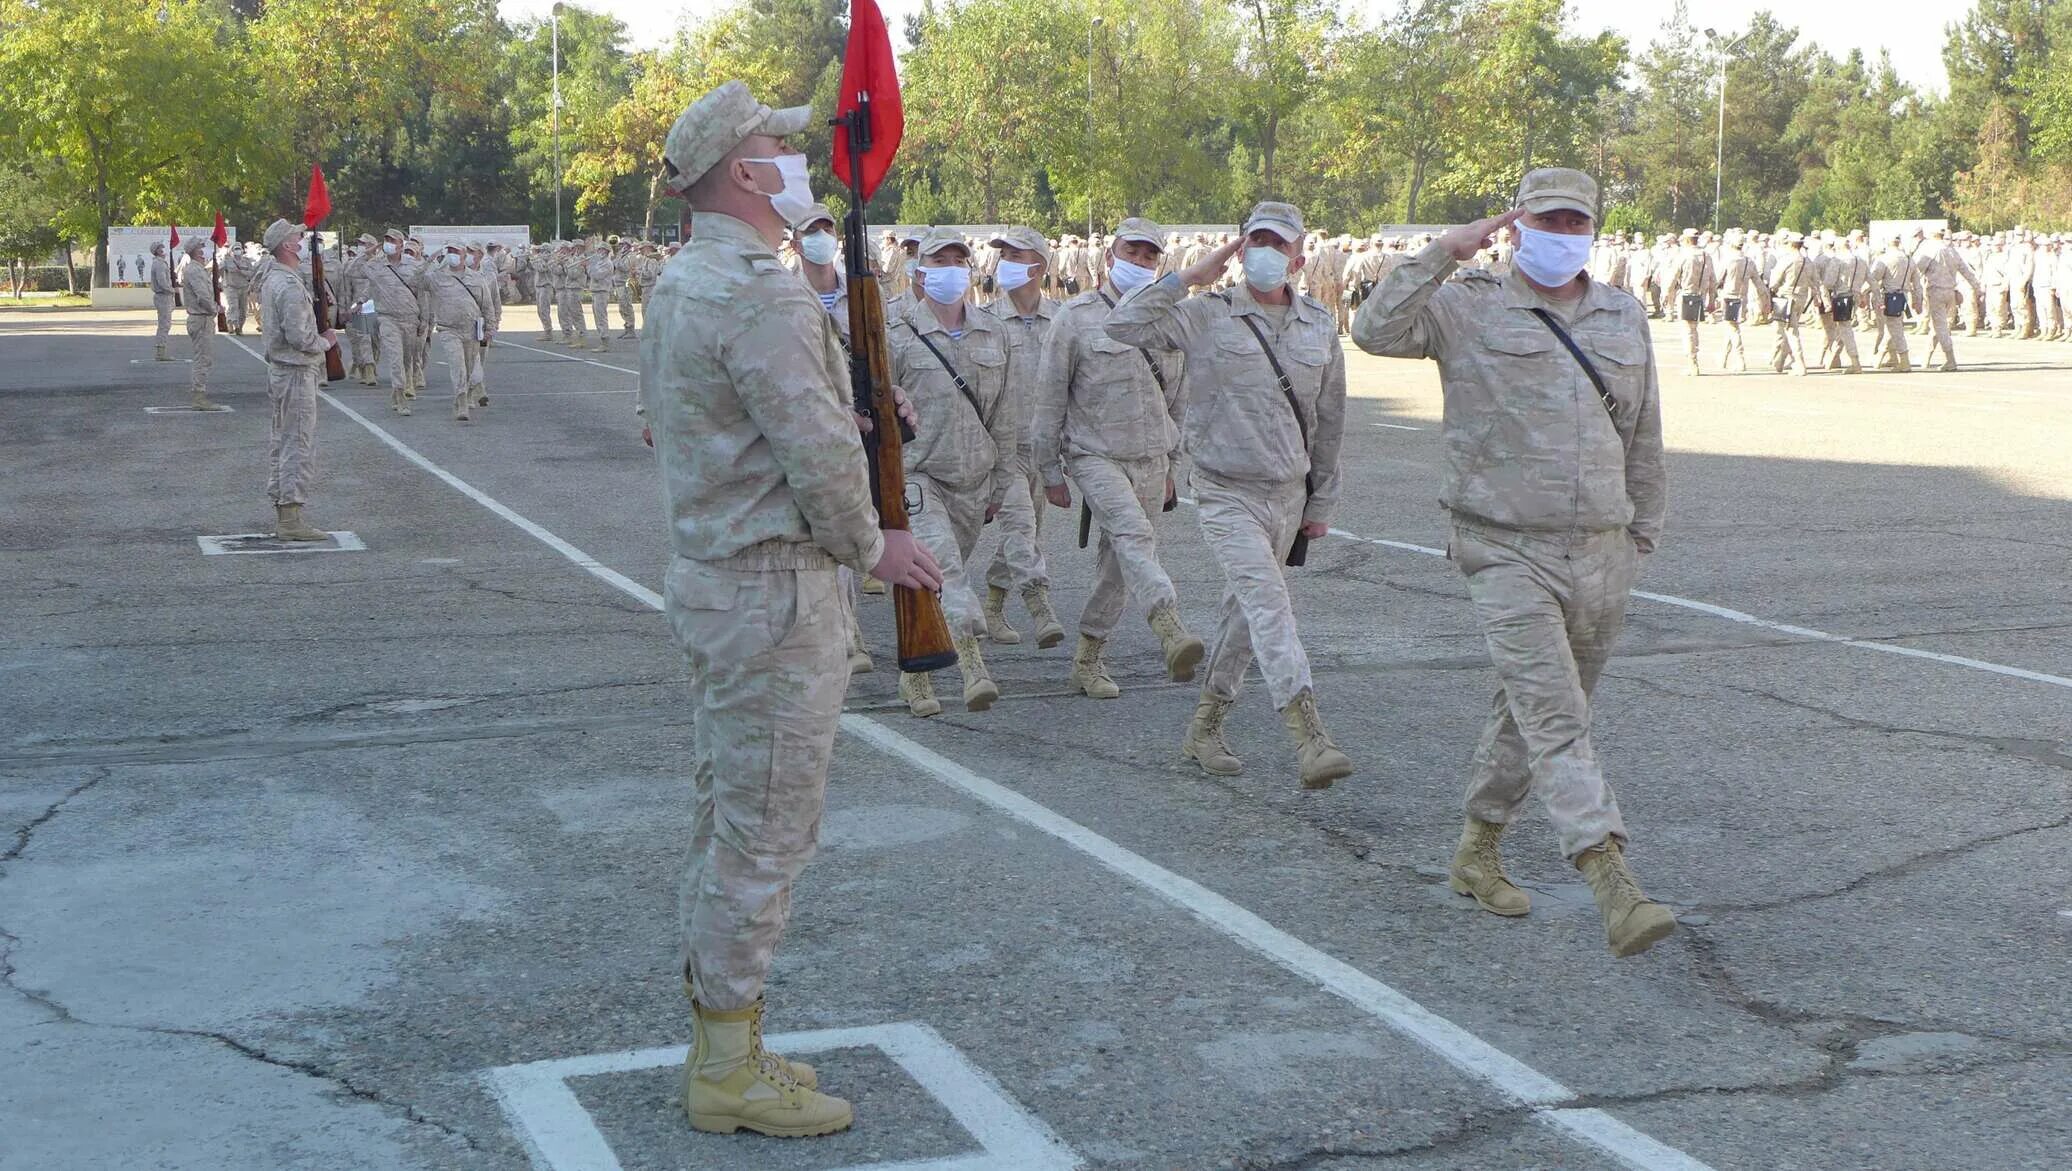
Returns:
<point x="1398" y="427"/>
<point x="219" y="410"/>
<point x="561" y="1136"/>
<point x="341" y="542"/>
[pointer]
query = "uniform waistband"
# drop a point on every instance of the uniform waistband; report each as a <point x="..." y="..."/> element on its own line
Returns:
<point x="778" y="555"/>
<point x="1469" y="523"/>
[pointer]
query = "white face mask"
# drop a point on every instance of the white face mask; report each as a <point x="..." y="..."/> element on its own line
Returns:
<point x="1266" y="269"/>
<point x="453" y="260"/>
<point x="388" y="249"/>
<point x="818" y="247"/>
<point x="1013" y="275"/>
<point x="947" y="286"/>
<point x="1128" y="275"/>
<point x="913" y="272"/>
<point x="797" y="197"/>
<point x="1551" y="259"/>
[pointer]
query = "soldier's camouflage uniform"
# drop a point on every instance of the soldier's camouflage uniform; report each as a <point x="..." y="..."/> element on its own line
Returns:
<point x="1019" y="564"/>
<point x="294" y="350"/>
<point x="198" y="298"/>
<point x="162" y="295"/>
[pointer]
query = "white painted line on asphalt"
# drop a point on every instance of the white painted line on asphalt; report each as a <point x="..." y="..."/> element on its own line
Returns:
<point x="570" y="357"/>
<point x="561" y="1136"/>
<point x="216" y="410"/>
<point x="1398" y="427"/>
<point x="231" y="544"/>
<point x="1456" y="1045"/>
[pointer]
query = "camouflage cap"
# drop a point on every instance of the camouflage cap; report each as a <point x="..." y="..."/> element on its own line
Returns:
<point x="1282" y="219"/>
<point x="1021" y="237"/>
<point x="938" y="239"/>
<point x="1141" y="230"/>
<point x="1690" y="233"/>
<point x="813" y="215"/>
<point x="364" y="239"/>
<point x="717" y="123"/>
<point x="395" y="234"/>
<point x="913" y="236"/>
<point x="1557" y="188"/>
<point x="278" y="233"/>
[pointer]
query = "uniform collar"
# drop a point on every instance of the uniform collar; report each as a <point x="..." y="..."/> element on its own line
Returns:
<point x="1241" y="301"/>
<point x="1004" y="309"/>
<point x="1520" y="295"/>
<point x="725" y="229"/>
<point x="921" y="319"/>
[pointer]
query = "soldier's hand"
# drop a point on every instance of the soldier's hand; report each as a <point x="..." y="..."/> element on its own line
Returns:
<point x="647" y="434"/>
<point x="906" y="562"/>
<point x="1462" y="243"/>
<point x="1172" y="495"/>
<point x="992" y="513"/>
<point x="1315" y="529"/>
<point x="1209" y="269"/>
<point x="1058" y="495"/>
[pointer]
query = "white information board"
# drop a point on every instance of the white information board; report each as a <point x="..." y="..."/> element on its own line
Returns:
<point x="129" y="251"/>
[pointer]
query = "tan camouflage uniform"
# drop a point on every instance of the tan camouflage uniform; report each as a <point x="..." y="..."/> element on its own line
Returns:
<point x="1941" y="267"/>
<point x="162" y="296"/>
<point x="1895" y="272"/>
<point x="198" y="298"/>
<point x="460" y="313"/>
<point x="294" y="350"/>
<point x="1019" y="563"/>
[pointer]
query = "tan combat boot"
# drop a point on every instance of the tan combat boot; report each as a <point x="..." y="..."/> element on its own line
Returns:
<point x="200" y="402"/>
<point x="288" y="526"/>
<point x="800" y="1072"/>
<point x="1478" y="870"/>
<point x="1632" y="924"/>
<point x="546" y="337"/>
<point x="602" y="345"/>
<point x="1322" y="762"/>
<point x="730" y="1083"/>
<point x="1036" y="599"/>
<point x="1204" y="744"/>
<point x="1182" y="650"/>
<point x="997" y="628"/>
<point x="161" y="354"/>
<point x="979" y="689"/>
<point x="859" y="654"/>
<point x="917" y="688"/>
<point x="1089" y="674"/>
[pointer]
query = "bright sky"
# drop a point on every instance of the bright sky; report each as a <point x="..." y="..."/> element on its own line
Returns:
<point x="1911" y="29"/>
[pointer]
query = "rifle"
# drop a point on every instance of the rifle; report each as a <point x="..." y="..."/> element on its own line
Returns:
<point x="924" y="637"/>
<point x="320" y="303"/>
<point x="216" y="290"/>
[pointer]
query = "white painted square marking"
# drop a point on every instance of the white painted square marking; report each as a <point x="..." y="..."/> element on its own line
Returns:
<point x="220" y="410"/>
<point x="561" y="1136"/>
<point x="239" y="543"/>
<point x="1398" y="427"/>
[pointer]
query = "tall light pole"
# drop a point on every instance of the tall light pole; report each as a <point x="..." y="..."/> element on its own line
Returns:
<point x="1090" y="128"/>
<point x="1719" y="156"/>
<point x="557" y="118"/>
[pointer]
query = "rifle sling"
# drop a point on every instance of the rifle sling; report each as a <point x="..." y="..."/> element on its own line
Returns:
<point x="952" y="372"/>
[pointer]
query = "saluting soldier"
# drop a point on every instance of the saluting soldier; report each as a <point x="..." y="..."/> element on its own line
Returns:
<point x="237" y="267"/>
<point x="1021" y="258"/>
<point x="358" y="286"/>
<point x="747" y="392"/>
<point x="391" y="285"/>
<point x="198" y="298"/>
<point x="1555" y="488"/>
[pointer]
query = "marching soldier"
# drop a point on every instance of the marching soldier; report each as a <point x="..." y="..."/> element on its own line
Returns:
<point x="1555" y="488"/>
<point x="1107" y="417"/>
<point x="363" y="364"/>
<point x="1690" y="284"/>
<point x="1021" y="258"/>
<point x="1793" y="291"/>
<point x="294" y="343"/>
<point x="460" y="321"/>
<point x="601" y="276"/>
<point x="747" y="392"/>
<point x="541" y="259"/>
<point x="1739" y="278"/>
<point x="1843" y="277"/>
<point x="198" y="298"/>
<point x="1941" y="268"/>
<point x="1897" y="281"/>
<point x="485" y="281"/>
<point x="1265" y="386"/>
<point x="162" y="293"/>
<point x="392" y="286"/>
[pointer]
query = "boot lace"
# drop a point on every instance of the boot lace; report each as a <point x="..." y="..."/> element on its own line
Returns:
<point x="1618" y="882"/>
<point x="1488" y="858"/>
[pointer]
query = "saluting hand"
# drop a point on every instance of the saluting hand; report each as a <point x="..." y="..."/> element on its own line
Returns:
<point x="1463" y="242"/>
<point x="1209" y="269"/>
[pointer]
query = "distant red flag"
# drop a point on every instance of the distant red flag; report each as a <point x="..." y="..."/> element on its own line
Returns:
<point x="221" y="235"/>
<point x="319" y="204"/>
<point x="176" y="237"/>
<point x="867" y="69"/>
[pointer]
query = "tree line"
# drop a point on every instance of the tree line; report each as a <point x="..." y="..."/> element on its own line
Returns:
<point x="1050" y="112"/>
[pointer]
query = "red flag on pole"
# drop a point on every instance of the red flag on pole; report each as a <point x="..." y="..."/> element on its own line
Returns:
<point x="319" y="204"/>
<point x="221" y="235"/>
<point x="176" y="238"/>
<point x="868" y="74"/>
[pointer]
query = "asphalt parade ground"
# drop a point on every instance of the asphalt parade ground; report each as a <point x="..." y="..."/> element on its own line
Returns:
<point x="366" y="857"/>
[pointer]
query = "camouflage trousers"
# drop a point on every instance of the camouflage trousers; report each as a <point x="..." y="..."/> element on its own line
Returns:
<point x="1840" y="337"/>
<point x="626" y="307"/>
<point x="768" y="655"/>
<point x="1551" y="606"/>
<point x="948" y="523"/>
<point x="600" y="304"/>
<point x="234" y="297"/>
<point x="1790" y="346"/>
<point x="457" y="348"/>
<point x="163" y="303"/>
<point x="1893" y="344"/>
<point x="1123" y="496"/>
<point x="398" y="341"/>
<point x="364" y="347"/>
<point x="1940" y="303"/>
<point x="571" y="308"/>
<point x="291" y="462"/>
<point x="1019" y="564"/>
<point x="201" y="334"/>
<point x="543" y="300"/>
<point x="1250" y="527"/>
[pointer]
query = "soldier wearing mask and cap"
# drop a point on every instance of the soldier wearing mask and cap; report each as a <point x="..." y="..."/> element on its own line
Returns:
<point x="542" y="259"/>
<point x="392" y="286"/>
<point x="237" y="268"/>
<point x="294" y="343"/>
<point x="1265" y="388"/>
<point x="747" y="391"/>
<point x="571" y="277"/>
<point x="1022" y="258"/>
<point x="1555" y="487"/>
<point x="162" y="296"/>
<point x="362" y="359"/>
<point x="1107" y="417"/>
<point x="954" y="364"/>
<point x="460" y="320"/>
<point x="198" y="298"/>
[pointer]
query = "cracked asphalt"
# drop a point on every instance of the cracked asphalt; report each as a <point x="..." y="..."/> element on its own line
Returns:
<point x="297" y="846"/>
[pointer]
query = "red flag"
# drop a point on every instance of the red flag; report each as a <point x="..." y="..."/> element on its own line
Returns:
<point x="319" y="204"/>
<point x="176" y="237"/>
<point x="221" y="235"/>
<point x="867" y="70"/>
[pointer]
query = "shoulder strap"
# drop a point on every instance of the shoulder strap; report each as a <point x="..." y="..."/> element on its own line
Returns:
<point x="1157" y="375"/>
<point x="1287" y="388"/>
<point x="950" y="370"/>
<point x="1604" y="394"/>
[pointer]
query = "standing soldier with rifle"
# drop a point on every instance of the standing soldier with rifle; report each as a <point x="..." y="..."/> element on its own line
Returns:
<point x="198" y="298"/>
<point x="295" y="343"/>
<point x="747" y="391"/>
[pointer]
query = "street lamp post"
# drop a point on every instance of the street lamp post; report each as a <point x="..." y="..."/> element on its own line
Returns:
<point x="1090" y="127"/>
<point x="556" y="14"/>
<point x="1719" y="156"/>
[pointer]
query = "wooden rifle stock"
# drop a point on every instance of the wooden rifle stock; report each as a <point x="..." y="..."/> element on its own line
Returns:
<point x="327" y="313"/>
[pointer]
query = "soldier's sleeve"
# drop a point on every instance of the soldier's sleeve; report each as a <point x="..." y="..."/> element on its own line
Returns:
<point x="1328" y="432"/>
<point x="1052" y="387"/>
<point x="1964" y="270"/>
<point x="1155" y="316"/>
<point x="297" y="317"/>
<point x="1405" y="317"/>
<point x="1176" y="404"/>
<point x="774" y="359"/>
<point x="1646" y="480"/>
<point x="1005" y="428"/>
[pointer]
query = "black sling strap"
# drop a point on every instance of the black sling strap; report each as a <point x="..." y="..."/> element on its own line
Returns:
<point x="1298" y="553"/>
<point x="1157" y="375"/>
<point x="1604" y="394"/>
<point x="951" y="371"/>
